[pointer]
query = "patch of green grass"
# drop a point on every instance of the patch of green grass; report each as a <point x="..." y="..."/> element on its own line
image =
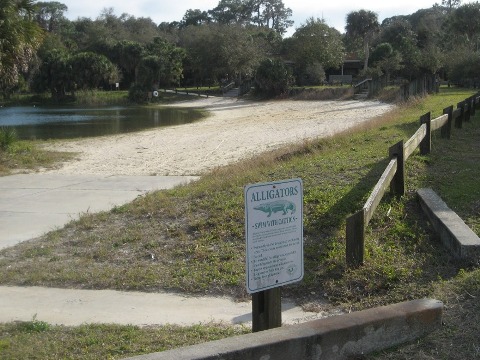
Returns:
<point x="33" y="326"/>
<point x="458" y="337"/>
<point x="101" y="98"/>
<point x="27" y="156"/>
<point x="39" y="340"/>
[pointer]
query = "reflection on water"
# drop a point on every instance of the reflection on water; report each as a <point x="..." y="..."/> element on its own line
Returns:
<point x="63" y="123"/>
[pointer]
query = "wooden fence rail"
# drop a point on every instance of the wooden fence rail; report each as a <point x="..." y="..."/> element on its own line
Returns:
<point x="415" y="140"/>
<point x="394" y="175"/>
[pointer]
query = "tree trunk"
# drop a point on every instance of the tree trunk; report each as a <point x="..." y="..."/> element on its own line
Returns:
<point x="367" y="55"/>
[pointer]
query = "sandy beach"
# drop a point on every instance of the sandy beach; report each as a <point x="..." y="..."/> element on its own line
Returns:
<point x="235" y="129"/>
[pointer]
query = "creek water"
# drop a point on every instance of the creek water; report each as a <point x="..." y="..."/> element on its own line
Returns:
<point x="74" y="122"/>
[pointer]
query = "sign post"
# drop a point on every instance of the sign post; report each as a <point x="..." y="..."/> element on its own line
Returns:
<point x="274" y="246"/>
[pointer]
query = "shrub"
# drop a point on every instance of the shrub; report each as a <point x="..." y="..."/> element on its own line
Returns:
<point x="137" y="94"/>
<point x="313" y="75"/>
<point x="273" y="78"/>
<point x="8" y="136"/>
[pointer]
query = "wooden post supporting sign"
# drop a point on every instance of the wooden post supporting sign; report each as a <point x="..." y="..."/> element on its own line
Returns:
<point x="266" y="309"/>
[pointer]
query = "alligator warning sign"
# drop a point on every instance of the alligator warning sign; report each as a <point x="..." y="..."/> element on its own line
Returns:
<point x="274" y="234"/>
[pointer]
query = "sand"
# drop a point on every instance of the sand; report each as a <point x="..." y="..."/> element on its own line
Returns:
<point x="234" y="130"/>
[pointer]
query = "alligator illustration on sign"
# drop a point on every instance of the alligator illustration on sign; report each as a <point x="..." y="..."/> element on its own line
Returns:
<point x="275" y="206"/>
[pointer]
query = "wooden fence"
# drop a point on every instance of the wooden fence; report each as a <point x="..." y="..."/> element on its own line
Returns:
<point x="394" y="175"/>
<point x="426" y="84"/>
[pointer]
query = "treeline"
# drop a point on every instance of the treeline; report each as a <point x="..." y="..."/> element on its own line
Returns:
<point x="41" y="50"/>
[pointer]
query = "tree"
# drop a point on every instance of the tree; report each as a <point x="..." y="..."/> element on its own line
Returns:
<point x="161" y="65"/>
<point x="464" y="67"/>
<point x="150" y="70"/>
<point x="171" y="58"/>
<point x="141" y="29"/>
<point x="230" y="12"/>
<point x="316" y="43"/>
<point x="195" y="17"/>
<point x="271" y="14"/>
<point x="127" y="55"/>
<point x="54" y="74"/>
<point x="314" y="75"/>
<point x="217" y="51"/>
<point x="465" y="21"/>
<point x="386" y="59"/>
<point x="363" y="24"/>
<point x="240" y="51"/>
<point x="49" y="15"/>
<point x="202" y="62"/>
<point x="20" y="37"/>
<point x="429" y="25"/>
<point x="90" y="70"/>
<point x="432" y="59"/>
<point x="399" y="34"/>
<point x="451" y="4"/>
<point x="108" y="29"/>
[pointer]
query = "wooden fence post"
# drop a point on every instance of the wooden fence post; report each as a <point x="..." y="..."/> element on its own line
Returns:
<point x="468" y="110"/>
<point x="355" y="239"/>
<point x="403" y="91"/>
<point x="473" y="107"/>
<point x="266" y="309"/>
<point x="426" y="143"/>
<point x="398" y="182"/>
<point x="459" y="119"/>
<point x="447" y="128"/>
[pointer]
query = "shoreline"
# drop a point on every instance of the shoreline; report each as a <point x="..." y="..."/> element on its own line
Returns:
<point x="234" y="130"/>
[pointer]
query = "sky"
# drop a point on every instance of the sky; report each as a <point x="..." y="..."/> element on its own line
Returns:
<point x="333" y="12"/>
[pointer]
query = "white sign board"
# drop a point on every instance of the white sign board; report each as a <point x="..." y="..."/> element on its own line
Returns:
<point x="274" y="234"/>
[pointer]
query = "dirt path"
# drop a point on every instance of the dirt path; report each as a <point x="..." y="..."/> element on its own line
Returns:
<point x="235" y="130"/>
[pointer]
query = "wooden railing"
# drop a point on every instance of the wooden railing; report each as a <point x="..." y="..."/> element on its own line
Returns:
<point x="362" y="83"/>
<point x="393" y="177"/>
<point x="228" y="87"/>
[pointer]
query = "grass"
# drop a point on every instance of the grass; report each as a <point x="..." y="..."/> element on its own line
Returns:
<point x="86" y="98"/>
<point x="458" y="337"/>
<point x="83" y="97"/>
<point x="39" y="340"/>
<point x="101" y="98"/>
<point x="8" y="136"/>
<point x="25" y="156"/>
<point x="190" y="239"/>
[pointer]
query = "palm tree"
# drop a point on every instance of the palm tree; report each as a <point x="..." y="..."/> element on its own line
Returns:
<point x="20" y="37"/>
<point x="363" y="24"/>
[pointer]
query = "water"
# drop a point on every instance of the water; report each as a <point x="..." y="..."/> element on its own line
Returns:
<point x="74" y="122"/>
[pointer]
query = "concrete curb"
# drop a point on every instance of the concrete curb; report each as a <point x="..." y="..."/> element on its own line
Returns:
<point x="337" y="337"/>
<point x="462" y="242"/>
